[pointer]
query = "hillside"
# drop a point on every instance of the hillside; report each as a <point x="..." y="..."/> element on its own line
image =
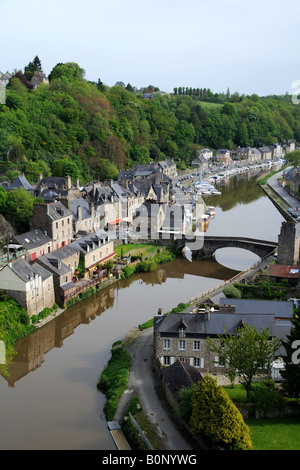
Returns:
<point x="88" y="130"/>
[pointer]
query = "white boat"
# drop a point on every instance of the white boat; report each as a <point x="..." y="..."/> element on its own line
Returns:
<point x="211" y="210"/>
<point x="215" y="192"/>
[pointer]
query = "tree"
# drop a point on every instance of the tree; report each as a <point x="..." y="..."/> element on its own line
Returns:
<point x="217" y="417"/>
<point x="293" y="158"/>
<point x="65" y="167"/>
<point x="291" y="373"/>
<point x="107" y="170"/>
<point x="248" y="352"/>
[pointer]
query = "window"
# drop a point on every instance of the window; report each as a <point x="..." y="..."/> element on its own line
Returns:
<point x="182" y="345"/>
<point x="181" y="332"/>
<point x="196" y="345"/>
<point x="198" y="362"/>
<point x="167" y="344"/>
<point x="167" y="360"/>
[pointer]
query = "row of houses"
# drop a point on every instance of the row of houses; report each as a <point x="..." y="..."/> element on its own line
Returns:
<point x="275" y="151"/>
<point x="79" y="224"/>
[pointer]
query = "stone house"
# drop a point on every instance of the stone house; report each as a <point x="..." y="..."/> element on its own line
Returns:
<point x="21" y="182"/>
<point x="289" y="146"/>
<point x="182" y="336"/>
<point x="244" y="153"/>
<point x="206" y="153"/>
<point x="179" y="374"/>
<point x="94" y="249"/>
<point x="148" y="220"/>
<point x="168" y="168"/>
<point x="294" y="181"/>
<point x="277" y="151"/>
<point x="223" y="155"/>
<point x="256" y="154"/>
<point x="55" y="219"/>
<point x="266" y="153"/>
<point x="62" y="263"/>
<point x="36" y="243"/>
<point x="85" y="218"/>
<point x="52" y="188"/>
<point x="31" y="285"/>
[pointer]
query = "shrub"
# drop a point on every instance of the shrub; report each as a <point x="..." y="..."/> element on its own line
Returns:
<point x="232" y="292"/>
<point x="265" y="395"/>
<point x="216" y="416"/>
<point x="114" y="378"/>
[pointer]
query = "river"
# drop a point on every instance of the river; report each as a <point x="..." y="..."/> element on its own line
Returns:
<point x="50" y="401"/>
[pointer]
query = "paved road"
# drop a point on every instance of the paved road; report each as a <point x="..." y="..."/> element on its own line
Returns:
<point x="145" y="384"/>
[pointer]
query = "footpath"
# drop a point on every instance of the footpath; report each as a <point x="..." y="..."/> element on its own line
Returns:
<point x="140" y="345"/>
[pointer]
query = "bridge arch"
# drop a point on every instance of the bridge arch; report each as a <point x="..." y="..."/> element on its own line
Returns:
<point x="204" y="247"/>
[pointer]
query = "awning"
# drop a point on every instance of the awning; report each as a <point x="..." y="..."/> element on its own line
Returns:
<point x="102" y="261"/>
<point x="116" y="222"/>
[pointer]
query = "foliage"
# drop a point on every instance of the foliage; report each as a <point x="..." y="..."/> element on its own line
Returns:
<point x="265" y="395"/>
<point x="232" y="292"/>
<point x="246" y="354"/>
<point x="114" y="378"/>
<point x="216" y="416"/>
<point x="102" y="129"/>
<point x="14" y="324"/>
<point x="291" y="374"/>
<point x="185" y="403"/>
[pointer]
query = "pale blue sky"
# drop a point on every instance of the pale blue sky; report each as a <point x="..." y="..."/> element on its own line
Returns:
<point x="249" y="47"/>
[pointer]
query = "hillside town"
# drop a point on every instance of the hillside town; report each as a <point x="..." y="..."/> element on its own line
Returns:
<point x="80" y="225"/>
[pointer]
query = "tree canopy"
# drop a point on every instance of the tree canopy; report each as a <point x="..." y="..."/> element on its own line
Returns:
<point x="245" y="354"/>
<point x="89" y="122"/>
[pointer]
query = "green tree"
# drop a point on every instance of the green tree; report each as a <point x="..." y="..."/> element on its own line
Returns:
<point x="248" y="352"/>
<point x="293" y="158"/>
<point x="107" y="170"/>
<point x="216" y="416"/>
<point x="65" y="167"/>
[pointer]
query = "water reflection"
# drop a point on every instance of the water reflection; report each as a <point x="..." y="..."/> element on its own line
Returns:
<point x="32" y="349"/>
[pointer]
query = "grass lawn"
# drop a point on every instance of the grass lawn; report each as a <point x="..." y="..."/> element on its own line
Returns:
<point x="272" y="433"/>
<point x="136" y="249"/>
<point x="207" y="104"/>
<point x="275" y="433"/>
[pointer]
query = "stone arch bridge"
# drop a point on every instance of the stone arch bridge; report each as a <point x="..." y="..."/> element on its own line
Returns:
<point x="204" y="247"/>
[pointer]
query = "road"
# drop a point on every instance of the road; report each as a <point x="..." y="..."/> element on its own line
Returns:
<point x="144" y="383"/>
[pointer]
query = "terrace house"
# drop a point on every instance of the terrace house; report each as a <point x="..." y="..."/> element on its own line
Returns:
<point x="36" y="243"/>
<point x="55" y="219"/>
<point x="31" y="285"/>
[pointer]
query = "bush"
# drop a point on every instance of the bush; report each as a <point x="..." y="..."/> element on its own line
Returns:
<point x="216" y="416"/>
<point x="265" y="395"/>
<point x="114" y="379"/>
<point x="232" y="292"/>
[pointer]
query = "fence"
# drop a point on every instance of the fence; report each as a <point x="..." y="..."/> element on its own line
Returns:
<point x="235" y="278"/>
<point x="140" y="431"/>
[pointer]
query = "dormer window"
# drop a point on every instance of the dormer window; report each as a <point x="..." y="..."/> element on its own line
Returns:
<point x="182" y="332"/>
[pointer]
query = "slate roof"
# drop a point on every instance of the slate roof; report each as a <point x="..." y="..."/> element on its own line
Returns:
<point x="180" y="374"/>
<point x="25" y="270"/>
<point x="20" y="182"/>
<point x="57" y="210"/>
<point x="219" y="323"/>
<point x="32" y="239"/>
<point x="274" y="307"/>
<point x="74" y="203"/>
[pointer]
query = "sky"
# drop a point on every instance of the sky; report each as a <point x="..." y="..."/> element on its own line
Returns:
<point x="248" y="47"/>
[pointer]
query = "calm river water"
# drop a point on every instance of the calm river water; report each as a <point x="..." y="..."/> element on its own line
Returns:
<point x="50" y="401"/>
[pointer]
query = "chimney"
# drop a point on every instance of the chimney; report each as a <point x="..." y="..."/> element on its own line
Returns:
<point x="69" y="182"/>
<point x="79" y="212"/>
<point x="207" y="313"/>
